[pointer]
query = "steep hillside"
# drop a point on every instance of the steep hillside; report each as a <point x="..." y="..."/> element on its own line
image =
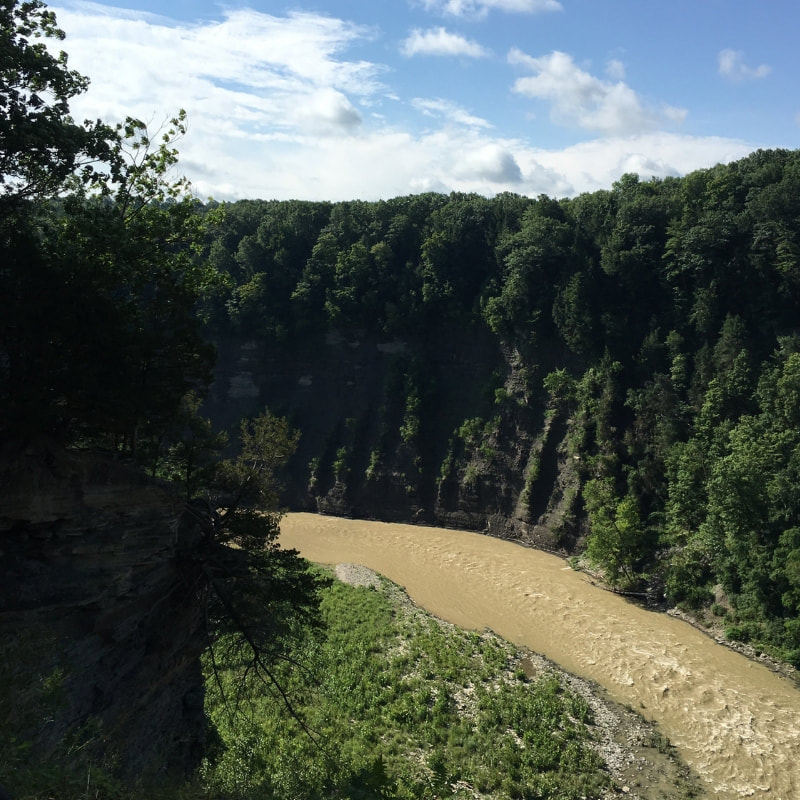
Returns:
<point x="615" y="371"/>
<point x="101" y="622"/>
<point x="474" y="451"/>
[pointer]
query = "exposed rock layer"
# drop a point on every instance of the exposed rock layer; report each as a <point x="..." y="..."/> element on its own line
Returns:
<point x="100" y="616"/>
<point x="352" y="396"/>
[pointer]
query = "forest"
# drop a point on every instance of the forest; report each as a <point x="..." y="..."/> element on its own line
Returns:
<point x="657" y="319"/>
<point x="657" y="324"/>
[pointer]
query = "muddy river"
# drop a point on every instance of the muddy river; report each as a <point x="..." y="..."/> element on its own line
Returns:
<point x="734" y="721"/>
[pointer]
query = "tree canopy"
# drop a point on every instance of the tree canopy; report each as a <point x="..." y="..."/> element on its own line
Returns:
<point x="644" y="318"/>
<point x="41" y="146"/>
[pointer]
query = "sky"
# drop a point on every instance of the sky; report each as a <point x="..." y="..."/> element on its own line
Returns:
<point x="373" y="99"/>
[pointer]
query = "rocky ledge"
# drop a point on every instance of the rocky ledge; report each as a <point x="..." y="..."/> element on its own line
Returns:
<point x="100" y="612"/>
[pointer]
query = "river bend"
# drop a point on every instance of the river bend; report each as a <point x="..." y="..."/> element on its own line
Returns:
<point x="736" y="723"/>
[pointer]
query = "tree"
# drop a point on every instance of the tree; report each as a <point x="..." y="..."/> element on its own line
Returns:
<point x="41" y="146"/>
<point x="534" y="261"/>
<point x="92" y="219"/>
<point x="753" y="499"/>
<point x="267" y="442"/>
<point x="189" y="455"/>
<point x="619" y="541"/>
<point x="573" y="314"/>
<point x="261" y="599"/>
<point x="122" y="249"/>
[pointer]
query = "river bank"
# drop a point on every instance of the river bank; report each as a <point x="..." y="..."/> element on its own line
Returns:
<point x="736" y="723"/>
<point x="701" y="619"/>
<point x="642" y="763"/>
<point x="715" y="630"/>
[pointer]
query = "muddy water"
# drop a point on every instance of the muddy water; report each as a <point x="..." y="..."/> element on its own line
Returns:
<point x="735" y="722"/>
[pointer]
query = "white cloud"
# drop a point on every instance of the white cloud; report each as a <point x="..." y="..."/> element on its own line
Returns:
<point x="593" y="165"/>
<point x="276" y="110"/>
<point x="249" y="72"/>
<point x="387" y="163"/>
<point x="732" y="66"/>
<point x="436" y="107"/>
<point x="328" y="111"/>
<point x="490" y="162"/>
<point x="480" y="8"/>
<point x="615" y="69"/>
<point x="580" y="99"/>
<point x="439" y="42"/>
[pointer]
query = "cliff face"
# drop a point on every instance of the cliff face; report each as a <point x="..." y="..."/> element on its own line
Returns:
<point x="100" y="618"/>
<point x="442" y="432"/>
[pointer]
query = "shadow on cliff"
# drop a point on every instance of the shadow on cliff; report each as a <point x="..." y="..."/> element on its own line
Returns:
<point x="101" y="622"/>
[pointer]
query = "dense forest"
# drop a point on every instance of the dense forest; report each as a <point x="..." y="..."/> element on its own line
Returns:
<point x="658" y="321"/>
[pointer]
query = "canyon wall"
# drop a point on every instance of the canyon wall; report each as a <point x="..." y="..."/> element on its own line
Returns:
<point x="446" y="432"/>
<point x="100" y="612"/>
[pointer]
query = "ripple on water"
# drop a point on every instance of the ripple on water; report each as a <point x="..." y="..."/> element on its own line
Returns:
<point x="735" y="723"/>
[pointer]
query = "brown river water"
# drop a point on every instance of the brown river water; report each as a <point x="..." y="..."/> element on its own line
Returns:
<point x="736" y="723"/>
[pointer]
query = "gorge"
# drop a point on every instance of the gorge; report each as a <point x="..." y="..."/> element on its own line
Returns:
<point x="614" y="374"/>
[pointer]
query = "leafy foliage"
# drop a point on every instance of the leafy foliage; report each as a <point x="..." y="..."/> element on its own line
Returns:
<point x="121" y="251"/>
<point x="645" y="318"/>
<point x="404" y="706"/>
<point x="41" y="147"/>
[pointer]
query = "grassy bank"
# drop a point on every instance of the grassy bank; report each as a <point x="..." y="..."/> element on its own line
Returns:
<point x="399" y="704"/>
<point x="390" y="702"/>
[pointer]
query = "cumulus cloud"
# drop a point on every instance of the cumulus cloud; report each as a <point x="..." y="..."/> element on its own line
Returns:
<point x="480" y="8"/>
<point x="277" y="110"/>
<point x="326" y="110"/>
<point x="732" y="66"/>
<point x="451" y="112"/>
<point x="440" y="42"/>
<point x="580" y="99"/>
<point x="489" y="162"/>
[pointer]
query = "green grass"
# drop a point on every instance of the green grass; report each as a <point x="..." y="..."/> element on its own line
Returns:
<point x="393" y="704"/>
<point x="401" y="705"/>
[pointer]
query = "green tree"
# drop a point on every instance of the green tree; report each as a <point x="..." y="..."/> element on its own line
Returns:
<point x="573" y="314"/>
<point x="41" y="147"/>
<point x="262" y="600"/>
<point x="534" y="262"/>
<point x="119" y="244"/>
<point x="122" y="249"/>
<point x="266" y="444"/>
<point x="619" y="541"/>
<point x="189" y="454"/>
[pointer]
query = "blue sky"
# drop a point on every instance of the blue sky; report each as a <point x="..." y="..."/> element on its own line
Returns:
<point x="335" y="99"/>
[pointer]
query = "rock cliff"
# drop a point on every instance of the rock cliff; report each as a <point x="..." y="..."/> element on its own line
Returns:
<point x="100" y="615"/>
<point x="446" y="432"/>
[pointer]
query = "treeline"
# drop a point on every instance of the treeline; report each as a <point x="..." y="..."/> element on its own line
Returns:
<point x="659" y="320"/>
